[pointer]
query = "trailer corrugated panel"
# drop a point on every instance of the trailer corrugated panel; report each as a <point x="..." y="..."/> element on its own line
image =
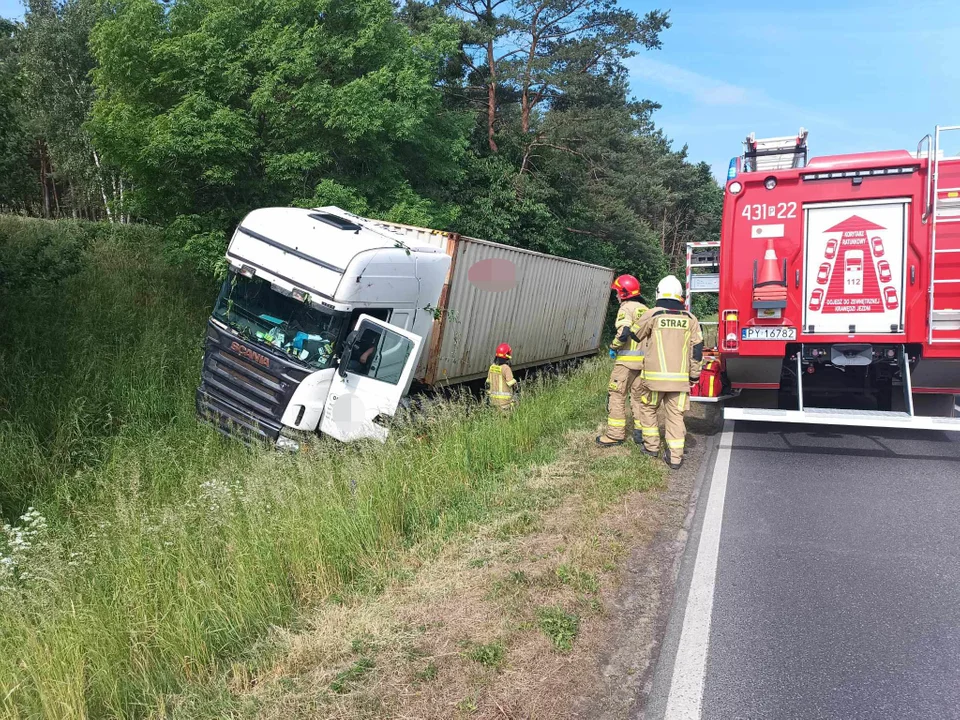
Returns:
<point x="418" y="235"/>
<point x="555" y="311"/>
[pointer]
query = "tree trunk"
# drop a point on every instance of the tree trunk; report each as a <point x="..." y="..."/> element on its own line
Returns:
<point x="124" y="218"/>
<point x="663" y="233"/>
<point x="525" y="100"/>
<point x="43" y="181"/>
<point x="56" y="196"/>
<point x="525" y="107"/>
<point x="491" y="96"/>
<point x="103" y="190"/>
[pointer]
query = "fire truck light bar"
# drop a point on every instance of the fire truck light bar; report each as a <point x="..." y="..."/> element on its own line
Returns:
<point x="859" y="173"/>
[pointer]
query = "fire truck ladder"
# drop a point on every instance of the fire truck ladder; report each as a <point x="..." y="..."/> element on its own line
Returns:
<point x="704" y="257"/>
<point x="942" y="210"/>
<point x="779" y="153"/>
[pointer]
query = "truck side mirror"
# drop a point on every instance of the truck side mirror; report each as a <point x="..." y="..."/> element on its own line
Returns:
<point x="348" y="347"/>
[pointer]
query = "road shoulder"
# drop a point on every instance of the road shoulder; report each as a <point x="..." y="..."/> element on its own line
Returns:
<point x="639" y="632"/>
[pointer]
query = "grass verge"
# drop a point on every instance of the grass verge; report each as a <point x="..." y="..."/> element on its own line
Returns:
<point x="485" y="624"/>
<point x="158" y="554"/>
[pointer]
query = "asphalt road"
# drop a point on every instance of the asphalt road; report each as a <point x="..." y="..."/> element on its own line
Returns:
<point x="821" y="580"/>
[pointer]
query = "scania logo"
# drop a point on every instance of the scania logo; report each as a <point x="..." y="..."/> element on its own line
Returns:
<point x="249" y="354"/>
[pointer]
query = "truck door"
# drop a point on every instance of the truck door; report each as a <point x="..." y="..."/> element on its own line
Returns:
<point x="855" y="260"/>
<point x="377" y="362"/>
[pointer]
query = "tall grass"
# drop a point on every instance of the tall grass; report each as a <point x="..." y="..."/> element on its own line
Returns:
<point x="162" y="550"/>
<point x="99" y="342"/>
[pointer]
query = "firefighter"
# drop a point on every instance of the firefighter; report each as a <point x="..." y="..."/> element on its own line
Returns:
<point x="628" y="353"/>
<point x="674" y="346"/>
<point x="500" y="381"/>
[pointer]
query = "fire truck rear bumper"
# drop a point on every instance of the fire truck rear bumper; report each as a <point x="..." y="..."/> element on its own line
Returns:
<point x="753" y="372"/>
<point x="858" y="418"/>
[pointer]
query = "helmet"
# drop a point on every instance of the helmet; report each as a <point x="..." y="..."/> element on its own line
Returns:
<point x="670" y="288"/>
<point x="504" y="351"/>
<point x="627" y="286"/>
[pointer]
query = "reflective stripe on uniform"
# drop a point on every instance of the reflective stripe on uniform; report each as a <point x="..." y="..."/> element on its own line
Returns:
<point x="665" y="376"/>
<point x="501" y="396"/>
<point x="649" y="431"/>
<point x="660" y="355"/>
<point x="512" y="383"/>
<point x="686" y="353"/>
<point x="614" y="422"/>
<point x="632" y="353"/>
<point x="651" y="398"/>
<point x="682" y="401"/>
<point x="675" y="444"/>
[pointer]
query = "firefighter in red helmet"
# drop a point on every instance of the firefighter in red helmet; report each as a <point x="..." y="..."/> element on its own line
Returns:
<point x="500" y="381"/>
<point x="628" y="353"/>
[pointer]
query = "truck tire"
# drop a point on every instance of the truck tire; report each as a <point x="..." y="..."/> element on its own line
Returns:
<point x="935" y="405"/>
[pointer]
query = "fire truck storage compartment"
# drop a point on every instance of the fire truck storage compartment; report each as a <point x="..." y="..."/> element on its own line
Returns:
<point x="855" y="261"/>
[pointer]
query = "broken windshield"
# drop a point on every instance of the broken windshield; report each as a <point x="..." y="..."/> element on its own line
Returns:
<point x="257" y="311"/>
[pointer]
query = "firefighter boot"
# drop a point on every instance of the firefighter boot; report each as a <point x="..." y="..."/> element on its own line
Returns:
<point x="669" y="460"/>
<point x="638" y="439"/>
<point x="675" y="404"/>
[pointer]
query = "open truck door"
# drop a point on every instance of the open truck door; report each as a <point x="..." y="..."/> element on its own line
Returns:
<point x="374" y="372"/>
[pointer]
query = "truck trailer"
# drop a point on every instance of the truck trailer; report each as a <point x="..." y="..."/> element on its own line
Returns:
<point x="326" y="320"/>
<point x="839" y="285"/>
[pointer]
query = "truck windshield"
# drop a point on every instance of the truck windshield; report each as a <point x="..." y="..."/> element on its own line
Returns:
<point x="258" y="312"/>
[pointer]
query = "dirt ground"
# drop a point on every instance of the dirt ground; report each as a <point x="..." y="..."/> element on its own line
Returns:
<point x="554" y="611"/>
<point x="620" y="675"/>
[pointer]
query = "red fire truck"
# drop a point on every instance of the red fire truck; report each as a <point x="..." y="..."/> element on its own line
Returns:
<point x="839" y="285"/>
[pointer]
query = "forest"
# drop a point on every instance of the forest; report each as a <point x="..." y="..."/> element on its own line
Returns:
<point x="511" y="121"/>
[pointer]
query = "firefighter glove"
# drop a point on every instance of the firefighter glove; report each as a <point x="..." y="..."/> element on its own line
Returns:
<point x="694" y="380"/>
<point x="613" y="353"/>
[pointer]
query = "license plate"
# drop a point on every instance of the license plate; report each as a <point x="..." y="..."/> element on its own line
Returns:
<point x="768" y="333"/>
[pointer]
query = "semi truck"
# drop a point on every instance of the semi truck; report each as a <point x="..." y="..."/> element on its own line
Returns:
<point x="838" y="285"/>
<point x="326" y="320"/>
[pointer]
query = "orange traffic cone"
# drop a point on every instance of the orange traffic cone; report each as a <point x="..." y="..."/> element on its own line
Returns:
<point x="769" y="287"/>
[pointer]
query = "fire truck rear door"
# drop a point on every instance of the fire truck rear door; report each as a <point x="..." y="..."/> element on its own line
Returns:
<point x="857" y="299"/>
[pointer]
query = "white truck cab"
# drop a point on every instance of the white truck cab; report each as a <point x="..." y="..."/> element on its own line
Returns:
<point x="319" y="325"/>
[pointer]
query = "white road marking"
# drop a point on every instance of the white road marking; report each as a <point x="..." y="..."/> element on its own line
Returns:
<point x="686" y="686"/>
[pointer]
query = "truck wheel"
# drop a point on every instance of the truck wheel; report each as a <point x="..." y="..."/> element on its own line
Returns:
<point x="935" y="405"/>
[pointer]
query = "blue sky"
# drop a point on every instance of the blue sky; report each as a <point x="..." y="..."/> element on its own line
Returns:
<point x="859" y="75"/>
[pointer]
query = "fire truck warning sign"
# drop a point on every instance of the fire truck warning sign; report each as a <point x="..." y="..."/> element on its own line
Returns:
<point x="854" y="268"/>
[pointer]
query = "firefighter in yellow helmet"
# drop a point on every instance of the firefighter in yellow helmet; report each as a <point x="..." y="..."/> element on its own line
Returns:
<point x="500" y="381"/>
<point x="628" y="354"/>
<point x="674" y="345"/>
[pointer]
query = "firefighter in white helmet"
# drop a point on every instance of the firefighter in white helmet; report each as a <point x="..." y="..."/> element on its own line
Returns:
<point x="674" y="356"/>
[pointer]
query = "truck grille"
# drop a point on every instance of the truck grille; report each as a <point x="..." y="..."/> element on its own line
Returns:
<point x="244" y="399"/>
